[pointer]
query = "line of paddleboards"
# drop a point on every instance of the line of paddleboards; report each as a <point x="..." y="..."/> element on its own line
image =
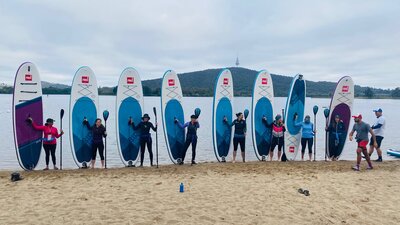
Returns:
<point x="27" y="101"/>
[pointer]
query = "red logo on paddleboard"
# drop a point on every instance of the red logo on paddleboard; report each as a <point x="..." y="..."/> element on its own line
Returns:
<point x="264" y="81"/>
<point x="171" y="82"/>
<point x="291" y="149"/>
<point x="130" y="80"/>
<point x="85" y="79"/>
<point x="226" y="81"/>
<point x="28" y="77"/>
<point x="345" y="89"/>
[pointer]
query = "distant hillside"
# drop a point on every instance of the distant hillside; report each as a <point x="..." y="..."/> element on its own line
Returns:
<point x="201" y="83"/>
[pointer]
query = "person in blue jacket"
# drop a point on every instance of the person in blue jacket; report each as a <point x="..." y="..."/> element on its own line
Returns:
<point x="191" y="137"/>
<point x="307" y="135"/>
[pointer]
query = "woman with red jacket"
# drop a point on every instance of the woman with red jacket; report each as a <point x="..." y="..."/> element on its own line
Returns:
<point x="50" y="134"/>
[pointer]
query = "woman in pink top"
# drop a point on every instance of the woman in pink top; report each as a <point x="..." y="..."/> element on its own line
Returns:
<point x="50" y="134"/>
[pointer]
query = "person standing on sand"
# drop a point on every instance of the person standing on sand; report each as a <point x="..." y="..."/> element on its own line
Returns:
<point x="239" y="136"/>
<point x="145" y="137"/>
<point x="379" y="130"/>
<point x="362" y="129"/>
<point x="50" y="134"/>
<point x="278" y="129"/>
<point x="191" y="137"/>
<point x="98" y="133"/>
<point x="307" y="135"/>
<point x="337" y="136"/>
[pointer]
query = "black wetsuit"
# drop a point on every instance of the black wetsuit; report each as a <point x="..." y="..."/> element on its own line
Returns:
<point x="145" y="139"/>
<point x="97" y="140"/>
<point x="191" y="138"/>
<point x="239" y="136"/>
<point x="337" y="138"/>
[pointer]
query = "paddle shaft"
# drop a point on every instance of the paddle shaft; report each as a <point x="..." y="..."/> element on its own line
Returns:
<point x="105" y="146"/>
<point x="155" y="116"/>
<point x="61" y="138"/>
<point x="315" y="136"/>
<point x="326" y="139"/>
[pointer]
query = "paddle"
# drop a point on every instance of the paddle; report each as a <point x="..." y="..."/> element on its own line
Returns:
<point x="315" y="111"/>
<point x="105" y="117"/>
<point x="61" y="138"/>
<point x="326" y="114"/>
<point x="197" y="112"/>
<point x="283" y="154"/>
<point x="246" y="113"/>
<point x="155" y="116"/>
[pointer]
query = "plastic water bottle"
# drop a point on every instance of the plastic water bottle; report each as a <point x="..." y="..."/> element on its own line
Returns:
<point x="181" y="188"/>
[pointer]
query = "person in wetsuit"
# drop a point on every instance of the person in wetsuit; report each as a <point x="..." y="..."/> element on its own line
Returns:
<point x="337" y="137"/>
<point x="98" y="133"/>
<point x="278" y="139"/>
<point x="307" y="135"/>
<point x="50" y="134"/>
<point x="145" y="136"/>
<point x="239" y="136"/>
<point x="191" y="137"/>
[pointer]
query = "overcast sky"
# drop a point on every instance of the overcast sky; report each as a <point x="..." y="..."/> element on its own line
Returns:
<point x="323" y="40"/>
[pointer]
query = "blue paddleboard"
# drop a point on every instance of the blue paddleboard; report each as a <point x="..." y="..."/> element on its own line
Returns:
<point x="222" y="107"/>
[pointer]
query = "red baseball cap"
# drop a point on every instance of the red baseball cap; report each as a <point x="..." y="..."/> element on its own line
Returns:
<point x="359" y="116"/>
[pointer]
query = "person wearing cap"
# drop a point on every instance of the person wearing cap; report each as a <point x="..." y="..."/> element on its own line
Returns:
<point x="50" y="133"/>
<point x="278" y="129"/>
<point x="191" y="137"/>
<point x="379" y="130"/>
<point x="98" y="133"/>
<point x="239" y="136"/>
<point x="307" y="135"/>
<point x="145" y="136"/>
<point x="362" y="129"/>
<point x="337" y="136"/>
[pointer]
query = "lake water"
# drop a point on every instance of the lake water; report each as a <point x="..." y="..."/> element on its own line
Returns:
<point x="205" y="152"/>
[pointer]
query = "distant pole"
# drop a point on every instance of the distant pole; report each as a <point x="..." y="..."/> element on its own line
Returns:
<point x="237" y="61"/>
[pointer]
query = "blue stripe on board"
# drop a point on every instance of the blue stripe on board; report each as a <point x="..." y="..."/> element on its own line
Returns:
<point x="176" y="135"/>
<point x="22" y="104"/>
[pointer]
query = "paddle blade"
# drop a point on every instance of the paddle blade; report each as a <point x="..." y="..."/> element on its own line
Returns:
<point x="315" y="109"/>
<point x="197" y="112"/>
<point x="155" y="111"/>
<point x="246" y="113"/>
<point x="61" y="113"/>
<point x="326" y="113"/>
<point x="105" y="115"/>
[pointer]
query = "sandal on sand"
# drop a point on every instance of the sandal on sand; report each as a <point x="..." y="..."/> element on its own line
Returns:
<point x="356" y="168"/>
<point x="46" y="168"/>
<point x="300" y="190"/>
<point x="306" y="192"/>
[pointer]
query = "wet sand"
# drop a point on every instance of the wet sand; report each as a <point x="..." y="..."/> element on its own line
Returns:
<point x="215" y="193"/>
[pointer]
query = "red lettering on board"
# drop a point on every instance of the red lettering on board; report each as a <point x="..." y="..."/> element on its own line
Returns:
<point x="130" y="80"/>
<point x="28" y="77"/>
<point x="226" y="81"/>
<point x="171" y="82"/>
<point x="291" y="149"/>
<point x="345" y="89"/>
<point x="85" y="79"/>
<point x="264" y="81"/>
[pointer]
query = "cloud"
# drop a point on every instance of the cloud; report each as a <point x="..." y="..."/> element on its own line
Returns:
<point x="324" y="40"/>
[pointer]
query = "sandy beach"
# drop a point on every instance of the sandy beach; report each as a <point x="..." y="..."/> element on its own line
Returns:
<point x="215" y="193"/>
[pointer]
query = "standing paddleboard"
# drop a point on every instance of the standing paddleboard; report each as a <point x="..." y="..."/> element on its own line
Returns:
<point x="129" y="105"/>
<point x="222" y="107"/>
<point x="262" y="105"/>
<point x="342" y="105"/>
<point x="27" y="101"/>
<point x="294" y="105"/>
<point x="84" y="101"/>
<point x="171" y="109"/>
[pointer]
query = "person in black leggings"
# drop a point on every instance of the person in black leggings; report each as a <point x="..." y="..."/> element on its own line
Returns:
<point x="145" y="136"/>
<point x="239" y="136"/>
<point x="191" y="137"/>
<point x="98" y="133"/>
